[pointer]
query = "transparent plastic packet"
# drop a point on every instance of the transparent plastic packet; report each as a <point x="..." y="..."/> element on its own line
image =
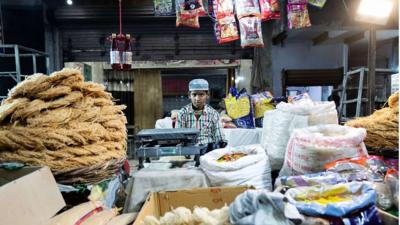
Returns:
<point x="250" y="32"/>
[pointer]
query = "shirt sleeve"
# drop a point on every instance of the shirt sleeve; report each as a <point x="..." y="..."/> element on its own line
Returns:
<point x="218" y="134"/>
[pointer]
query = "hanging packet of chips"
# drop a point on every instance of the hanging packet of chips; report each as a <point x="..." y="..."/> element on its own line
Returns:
<point x="297" y="13"/>
<point x="250" y="32"/>
<point x="226" y="29"/>
<point x="163" y="7"/>
<point x="191" y="8"/>
<point x="270" y="10"/>
<point x="192" y="22"/>
<point x="247" y="8"/>
<point x="317" y="3"/>
<point x="223" y="8"/>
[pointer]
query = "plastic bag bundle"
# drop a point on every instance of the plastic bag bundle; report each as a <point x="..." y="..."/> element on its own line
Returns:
<point x="332" y="200"/>
<point x="252" y="169"/>
<point x="298" y="16"/>
<point x="278" y="124"/>
<point x="250" y="32"/>
<point x="239" y="108"/>
<point x="309" y="149"/>
<point x="270" y="9"/>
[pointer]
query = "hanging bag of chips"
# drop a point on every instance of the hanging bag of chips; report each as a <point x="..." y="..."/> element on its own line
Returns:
<point x="250" y="32"/>
<point x="297" y="13"/>
<point x="270" y="10"/>
<point x="226" y="30"/>
<point x="181" y="20"/>
<point x="247" y="8"/>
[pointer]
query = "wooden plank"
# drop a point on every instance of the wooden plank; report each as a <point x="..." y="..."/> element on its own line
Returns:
<point x="357" y="37"/>
<point x="148" y="98"/>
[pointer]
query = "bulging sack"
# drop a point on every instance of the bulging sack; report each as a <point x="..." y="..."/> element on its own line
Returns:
<point x="309" y="149"/>
<point x="279" y="124"/>
<point x="251" y="169"/>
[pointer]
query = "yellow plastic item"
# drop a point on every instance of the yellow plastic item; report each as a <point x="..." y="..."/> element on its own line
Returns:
<point x="237" y="108"/>
<point x="337" y="194"/>
<point x="261" y="106"/>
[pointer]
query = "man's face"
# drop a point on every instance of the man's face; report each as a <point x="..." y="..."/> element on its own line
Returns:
<point x="198" y="98"/>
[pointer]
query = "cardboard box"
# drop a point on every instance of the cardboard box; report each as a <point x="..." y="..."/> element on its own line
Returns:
<point x="158" y="203"/>
<point x="387" y="218"/>
<point x="28" y="196"/>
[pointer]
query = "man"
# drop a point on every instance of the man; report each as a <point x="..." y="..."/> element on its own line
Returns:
<point x="200" y="115"/>
<point x="167" y="122"/>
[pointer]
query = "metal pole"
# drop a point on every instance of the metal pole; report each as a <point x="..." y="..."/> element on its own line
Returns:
<point x="360" y="91"/>
<point x="47" y="65"/>
<point x="34" y="63"/>
<point x="371" y="69"/>
<point x="17" y="63"/>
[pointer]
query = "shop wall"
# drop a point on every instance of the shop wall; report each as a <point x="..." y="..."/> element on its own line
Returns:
<point x="387" y="55"/>
<point x="303" y="55"/>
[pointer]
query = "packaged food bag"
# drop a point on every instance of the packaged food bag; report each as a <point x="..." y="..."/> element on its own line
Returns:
<point x="239" y="108"/>
<point x="332" y="200"/>
<point x="246" y="8"/>
<point x="240" y="165"/>
<point x="298" y="16"/>
<point x="250" y="32"/>
<point x="310" y="148"/>
<point x="270" y="9"/>
<point x="262" y="102"/>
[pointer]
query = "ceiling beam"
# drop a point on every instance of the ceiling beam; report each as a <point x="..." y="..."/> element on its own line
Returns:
<point x="354" y="38"/>
<point x="324" y="36"/>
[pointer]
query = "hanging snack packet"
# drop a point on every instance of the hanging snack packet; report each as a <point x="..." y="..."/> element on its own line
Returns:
<point x="269" y="10"/>
<point x="317" y="3"/>
<point x="228" y="30"/>
<point x="191" y="8"/>
<point x="250" y="32"/>
<point x="247" y="8"/>
<point x="223" y="8"/>
<point x="298" y="16"/>
<point x="185" y="21"/>
<point x="163" y="7"/>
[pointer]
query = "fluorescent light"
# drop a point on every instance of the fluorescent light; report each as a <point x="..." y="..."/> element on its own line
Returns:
<point x="373" y="11"/>
<point x="69" y="2"/>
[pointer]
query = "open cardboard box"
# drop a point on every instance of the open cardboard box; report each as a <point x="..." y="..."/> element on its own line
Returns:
<point x="158" y="203"/>
<point x="28" y="196"/>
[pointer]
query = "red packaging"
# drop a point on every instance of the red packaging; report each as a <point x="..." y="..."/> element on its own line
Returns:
<point x="191" y="8"/>
<point x="270" y="10"/>
<point x="226" y="30"/>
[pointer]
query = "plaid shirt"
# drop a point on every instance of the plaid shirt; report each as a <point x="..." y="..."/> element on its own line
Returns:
<point x="208" y="123"/>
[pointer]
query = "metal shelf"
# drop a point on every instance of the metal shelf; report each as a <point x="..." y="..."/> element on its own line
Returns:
<point x="18" y="51"/>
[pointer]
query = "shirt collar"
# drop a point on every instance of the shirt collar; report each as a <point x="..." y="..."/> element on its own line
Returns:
<point x="205" y="110"/>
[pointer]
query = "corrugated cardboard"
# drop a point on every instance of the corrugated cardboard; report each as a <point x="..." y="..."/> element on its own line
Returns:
<point x="159" y="203"/>
<point x="28" y="196"/>
<point x="387" y="218"/>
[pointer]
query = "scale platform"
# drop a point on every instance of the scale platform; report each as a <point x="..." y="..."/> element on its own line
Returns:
<point x="155" y="143"/>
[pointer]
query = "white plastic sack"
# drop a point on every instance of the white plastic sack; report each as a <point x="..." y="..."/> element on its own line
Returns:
<point x="309" y="149"/>
<point x="252" y="169"/>
<point x="279" y="123"/>
<point x="241" y="136"/>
